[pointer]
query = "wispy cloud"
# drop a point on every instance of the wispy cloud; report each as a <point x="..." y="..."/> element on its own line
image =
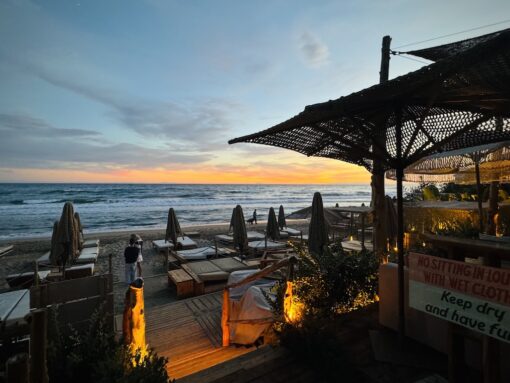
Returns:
<point x="32" y="142"/>
<point x="314" y="51"/>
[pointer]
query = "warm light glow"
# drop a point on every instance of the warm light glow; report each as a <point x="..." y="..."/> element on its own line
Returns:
<point x="134" y="323"/>
<point x="351" y="238"/>
<point x="292" y="308"/>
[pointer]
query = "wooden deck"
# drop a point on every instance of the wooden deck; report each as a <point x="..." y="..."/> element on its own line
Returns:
<point x="188" y="333"/>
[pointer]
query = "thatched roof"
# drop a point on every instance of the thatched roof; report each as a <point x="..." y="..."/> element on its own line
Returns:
<point x="457" y="102"/>
<point x="447" y="50"/>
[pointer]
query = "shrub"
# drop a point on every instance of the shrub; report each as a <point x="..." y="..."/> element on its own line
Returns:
<point x="94" y="355"/>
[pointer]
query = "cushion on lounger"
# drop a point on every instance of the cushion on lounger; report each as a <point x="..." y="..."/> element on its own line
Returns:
<point x="224" y="238"/>
<point x="198" y="253"/>
<point x="261" y="245"/>
<point x="162" y="244"/>
<point x="229" y="264"/>
<point x="253" y="235"/>
<point x="91" y="243"/>
<point x="292" y="232"/>
<point x="214" y="276"/>
<point x="208" y="271"/>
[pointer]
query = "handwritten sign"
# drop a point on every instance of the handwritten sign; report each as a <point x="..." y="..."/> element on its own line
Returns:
<point x="476" y="297"/>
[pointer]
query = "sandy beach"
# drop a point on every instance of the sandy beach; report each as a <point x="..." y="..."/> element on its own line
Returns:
<point x="26" y="251"/>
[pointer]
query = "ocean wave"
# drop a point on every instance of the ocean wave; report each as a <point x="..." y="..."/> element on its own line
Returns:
<point x="17" y="202"/>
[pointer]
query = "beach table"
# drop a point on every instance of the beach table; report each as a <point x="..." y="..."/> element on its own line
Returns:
<point x="361" y="211"/>
<point x="25" y="279"/>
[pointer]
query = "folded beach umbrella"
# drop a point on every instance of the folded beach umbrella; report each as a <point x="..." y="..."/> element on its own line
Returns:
<point x="173" y="229"/>
<point x="281" y="218"/>
<point x="272" y="229"/>
<point x="231" y="226"/>
<point x="240" y="236"/>
<point x="318" y="231"/>
<point x="80" y="229"/>
<point x="67" y="234"/>
<point x="57" y="250"/>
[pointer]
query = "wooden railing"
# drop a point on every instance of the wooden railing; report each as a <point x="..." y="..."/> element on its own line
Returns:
<point x="225" y="312"/>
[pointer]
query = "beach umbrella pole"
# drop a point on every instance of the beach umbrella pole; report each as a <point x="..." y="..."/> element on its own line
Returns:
<point x="479" y="192"/>
<point x="400" y="254"/>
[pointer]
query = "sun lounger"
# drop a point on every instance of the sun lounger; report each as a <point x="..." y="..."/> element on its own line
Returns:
<point x="252" y="236"/>
<point x="14" y="307"/>
<point x="184" y="243"/>
<point x="292" y="232"/>
<point x="258" y="246"/>
<point x="216" y="270"/>
<point x="201" y="253"/>
<point x="5" y="250"/>
<point x="88" y="255"/>
<point x="44" y="260"/>
<point x="90" y="243"/>
<point x="25" y="279"/>
<point x="355" y="245"/>
<point x="79" y="271"/>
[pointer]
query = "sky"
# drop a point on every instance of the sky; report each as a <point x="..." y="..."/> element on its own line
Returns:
<point x="152" y="90"/>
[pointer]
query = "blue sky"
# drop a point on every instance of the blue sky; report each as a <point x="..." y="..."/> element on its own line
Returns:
<point x="152" y="90"/>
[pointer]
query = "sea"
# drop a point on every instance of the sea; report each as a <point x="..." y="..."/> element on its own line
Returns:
<point x="29" y="210"/>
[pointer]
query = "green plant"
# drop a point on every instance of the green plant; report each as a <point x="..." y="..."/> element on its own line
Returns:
<point x="94" y="355"/>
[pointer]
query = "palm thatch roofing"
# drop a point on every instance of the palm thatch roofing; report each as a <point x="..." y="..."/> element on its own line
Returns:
<point x="447" y="50"/>
<point x="458" y="166"/>
<point x="460" y="101"/>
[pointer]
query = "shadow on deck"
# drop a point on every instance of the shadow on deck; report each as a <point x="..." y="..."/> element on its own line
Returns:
<point x="188" y="333"/>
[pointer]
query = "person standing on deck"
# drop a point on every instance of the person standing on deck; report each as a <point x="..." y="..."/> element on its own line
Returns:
<point x="132" y="254"/>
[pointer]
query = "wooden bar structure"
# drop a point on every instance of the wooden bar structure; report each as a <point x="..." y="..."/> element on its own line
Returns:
<point x="188" y="332"/>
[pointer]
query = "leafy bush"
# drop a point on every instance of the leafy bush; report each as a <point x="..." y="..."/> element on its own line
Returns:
<point x="94" y="355"/>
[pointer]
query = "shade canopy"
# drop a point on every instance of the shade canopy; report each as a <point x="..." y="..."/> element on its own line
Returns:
<point x="57" y="250"/>
<point x="240" y="236"/>
<point x="458" y="166"/>
<point x="457" y="102"/>
<point x="282" y="222"/>
<point x="447" y="50"/>
<point x="272" y="229"/>
<point x="173" y="228"/>
<point x="318" y="230"/>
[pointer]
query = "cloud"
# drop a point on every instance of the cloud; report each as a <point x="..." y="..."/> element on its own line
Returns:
<point x="314" y="51"/>
<point x="32" y="142"/>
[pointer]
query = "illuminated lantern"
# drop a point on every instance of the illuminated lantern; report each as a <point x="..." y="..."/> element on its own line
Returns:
<point x="133" y="323"/>
<point x="292" y="309"/>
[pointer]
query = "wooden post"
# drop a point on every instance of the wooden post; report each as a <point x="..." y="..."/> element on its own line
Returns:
<point x="17" y="369"/>
<point x="479" y="197"/>
<point x="225" y="318"/>
<point x="378" y="193"/>
<point x="38" y="346"/>
<point x="110" y="268"/>
<point x="36" y="274"/>
<point x="363" y="231"/>
<point x="493" y="208"/>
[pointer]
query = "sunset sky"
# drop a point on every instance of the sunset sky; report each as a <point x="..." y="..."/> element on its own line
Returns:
<point x="151" y="91"/>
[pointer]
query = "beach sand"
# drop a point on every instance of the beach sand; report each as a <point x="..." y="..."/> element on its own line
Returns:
<point x="156" y="290"/>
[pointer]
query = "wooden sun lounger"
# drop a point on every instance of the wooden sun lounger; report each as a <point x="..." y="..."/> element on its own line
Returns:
<point x="259" y="246"/>
<point x="184" y="242"/>
<point x="25" y="279"/>
<point x="79" y="271"/>
<point x="252" y="236"/>
<point x="90" y="243"/>
<point x="201" y="253"/>
<point x="292" y="232"/>
<point x="6" y="250"/>
<point x="88" y="255"/>
<point x="355" y="245"/>
<point x="216" y="270"/>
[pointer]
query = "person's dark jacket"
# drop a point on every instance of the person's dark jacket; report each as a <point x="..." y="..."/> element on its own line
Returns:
<point x="131" y="254"/>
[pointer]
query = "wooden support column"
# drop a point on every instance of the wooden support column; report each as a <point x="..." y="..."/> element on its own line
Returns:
<point x="225" y="314"/>
<point x="493" y="208"/>
<point x="378" y="192"/>
<point x="38" y="346"/>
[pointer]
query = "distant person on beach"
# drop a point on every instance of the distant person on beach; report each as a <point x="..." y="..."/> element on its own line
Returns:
<point x="132" y="255"/>
<point x="255" y="216"/>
